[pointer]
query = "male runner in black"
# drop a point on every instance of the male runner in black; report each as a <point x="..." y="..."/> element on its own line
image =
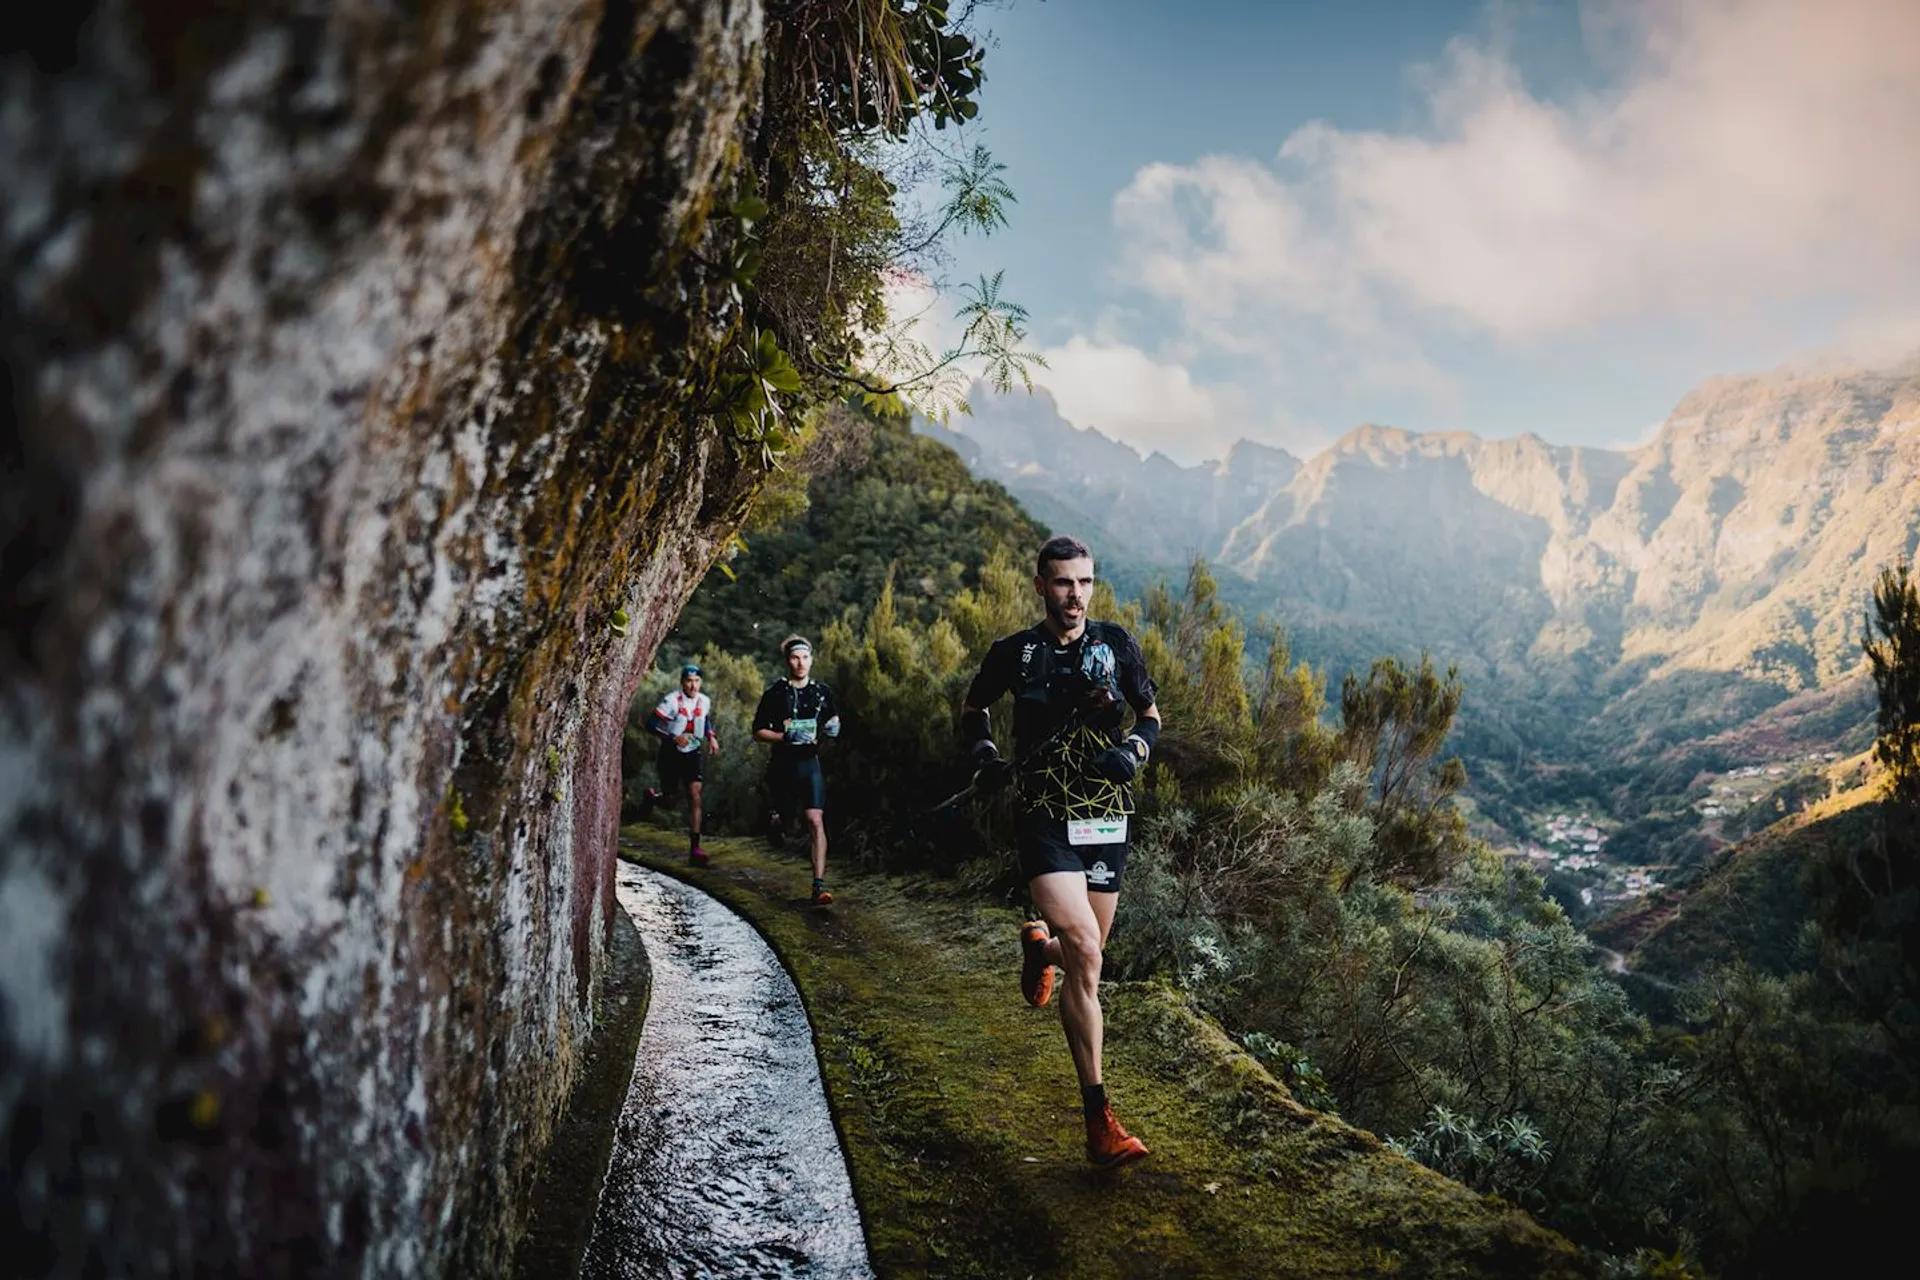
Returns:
<point x="1068" y="677"/>
<point x="794" y="715"/>
<point x="684" y="723"/>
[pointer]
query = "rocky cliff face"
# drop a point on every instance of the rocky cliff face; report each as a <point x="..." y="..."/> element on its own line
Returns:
<point x="1440" y="534"/>
<point x="1751" y="528"/>
<point x="348" y="351"/>
<point x="1744" y="537"/>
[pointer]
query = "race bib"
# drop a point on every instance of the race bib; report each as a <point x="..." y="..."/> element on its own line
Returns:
<point x="802" y="732"/>
<point x="1097" y="830"/>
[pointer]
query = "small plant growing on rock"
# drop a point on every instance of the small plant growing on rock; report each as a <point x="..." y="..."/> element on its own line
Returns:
<point x="1302" y="1078"/>
<point x="1508" y="1158"/>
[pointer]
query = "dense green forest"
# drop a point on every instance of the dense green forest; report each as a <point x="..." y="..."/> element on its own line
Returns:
<point x="862" y="500"/>
<point x="1304" y="874"/>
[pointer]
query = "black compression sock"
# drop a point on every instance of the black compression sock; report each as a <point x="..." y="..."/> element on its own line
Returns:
<point x="693" y="839"/>
<point x="1093" y="1098"/>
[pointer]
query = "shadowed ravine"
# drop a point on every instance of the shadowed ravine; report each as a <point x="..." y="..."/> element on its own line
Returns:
<point x="726" y="1162"/>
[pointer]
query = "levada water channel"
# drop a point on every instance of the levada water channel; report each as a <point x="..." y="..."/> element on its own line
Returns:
<point x="726" y="1162"/>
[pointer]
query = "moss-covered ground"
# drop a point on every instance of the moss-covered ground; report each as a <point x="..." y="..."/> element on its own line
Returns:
<point x="959" y="1112"/>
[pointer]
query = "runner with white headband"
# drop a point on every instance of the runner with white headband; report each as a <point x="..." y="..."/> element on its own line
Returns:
<point x="795" y="714"/>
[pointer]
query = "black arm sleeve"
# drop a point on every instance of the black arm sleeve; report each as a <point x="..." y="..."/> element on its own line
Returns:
<point x="995" y="676"/>
<point x="1135" y="684"/>
<point x="767" y="714"/>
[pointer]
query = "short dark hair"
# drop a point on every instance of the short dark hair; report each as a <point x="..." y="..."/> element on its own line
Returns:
<point x="1060" y="547"/>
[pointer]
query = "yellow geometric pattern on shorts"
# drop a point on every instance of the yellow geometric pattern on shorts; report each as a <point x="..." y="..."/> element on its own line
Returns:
<point x="1062" y="784"/>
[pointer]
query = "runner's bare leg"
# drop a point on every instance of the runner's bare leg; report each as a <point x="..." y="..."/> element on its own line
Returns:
<point x="817" y="833"/>
<point x="1104" y="905"/>
<point x="1063" y="901"/>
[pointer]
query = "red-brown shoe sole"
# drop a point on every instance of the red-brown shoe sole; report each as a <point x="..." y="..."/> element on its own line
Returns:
<point x="1120" y="1158"/>
<point x="1035" y="989"/>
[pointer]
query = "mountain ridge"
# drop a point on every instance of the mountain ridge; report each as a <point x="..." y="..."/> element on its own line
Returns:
<point x="1065" y="471"/>
<point x="1718" y="542"/>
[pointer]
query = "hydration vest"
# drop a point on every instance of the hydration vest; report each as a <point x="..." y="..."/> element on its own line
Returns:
<point x="1040" y="686"/>
<point x="1058" y="780"/>
<point x="677" y="714"/>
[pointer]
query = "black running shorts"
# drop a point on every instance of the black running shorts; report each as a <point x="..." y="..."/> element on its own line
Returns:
<point x="795" y="786"/>
<point x="679" y="769"/>
<point x="1044" y="846"/>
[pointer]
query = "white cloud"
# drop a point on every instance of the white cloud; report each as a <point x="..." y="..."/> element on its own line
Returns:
<point x="1125" y="393"/>
<point x="911" y="299"/>
<point x="1097" y="381"/>
<point x="1878" y="339"/>
<point x="1749" y="154"/>
<point x="1245" y="258"/>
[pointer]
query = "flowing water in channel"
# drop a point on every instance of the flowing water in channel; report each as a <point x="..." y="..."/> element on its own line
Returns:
<point x="726" y="1162"/>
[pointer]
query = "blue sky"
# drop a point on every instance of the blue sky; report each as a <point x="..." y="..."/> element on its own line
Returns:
<point x="1281" y="220"/>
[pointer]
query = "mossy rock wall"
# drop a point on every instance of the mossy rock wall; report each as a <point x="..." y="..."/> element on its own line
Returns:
<point x="349" y="353"/>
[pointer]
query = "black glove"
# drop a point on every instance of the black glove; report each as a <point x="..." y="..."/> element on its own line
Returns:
<point x="992" y="776"/>
<point x="1117" y="764"/>
<point x="990" y="772"/>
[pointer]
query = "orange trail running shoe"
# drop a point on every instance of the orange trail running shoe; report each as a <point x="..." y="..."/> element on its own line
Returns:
<point x="1036" y="975"/>
<point x="822" y="896"/>
<point x="1109" y="1145"/>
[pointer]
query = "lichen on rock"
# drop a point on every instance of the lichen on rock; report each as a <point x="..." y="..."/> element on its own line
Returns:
<point x="348" y="352"/>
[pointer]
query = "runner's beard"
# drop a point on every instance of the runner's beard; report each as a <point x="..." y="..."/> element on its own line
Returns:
<point x="1058" y="614"/>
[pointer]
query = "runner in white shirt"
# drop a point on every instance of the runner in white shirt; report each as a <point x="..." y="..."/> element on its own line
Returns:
<point x="684" y="722"/>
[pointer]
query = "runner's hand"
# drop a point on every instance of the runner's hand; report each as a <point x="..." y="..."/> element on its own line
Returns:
<point x="680" y="739"/>
<point x="990" y="772"/>
<point x="832" y="727"/>
<point x="1117" y="764"/>
<point x="992" y="775"/>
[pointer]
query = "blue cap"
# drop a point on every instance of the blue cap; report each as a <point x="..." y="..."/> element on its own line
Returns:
<point x="691" y="669"/>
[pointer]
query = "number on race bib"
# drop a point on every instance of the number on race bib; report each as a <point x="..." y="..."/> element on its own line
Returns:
<point x="1082" y="831"/>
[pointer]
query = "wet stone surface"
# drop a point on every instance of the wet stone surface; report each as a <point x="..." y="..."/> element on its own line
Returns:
<point x="726" y="1162"/>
